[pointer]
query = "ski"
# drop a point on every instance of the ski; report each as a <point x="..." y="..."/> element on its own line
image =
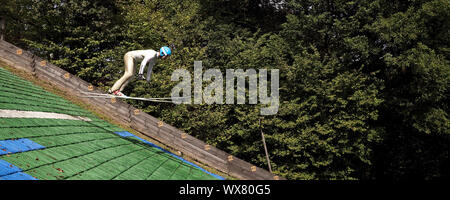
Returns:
<point x="133" y="98"/>
<point x="156" y="99"/>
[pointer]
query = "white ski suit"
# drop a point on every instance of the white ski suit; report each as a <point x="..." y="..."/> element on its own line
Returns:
<point x="146" y="56"/>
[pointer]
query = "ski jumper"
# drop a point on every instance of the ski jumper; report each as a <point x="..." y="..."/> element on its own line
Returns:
<point x="146" y="56"/>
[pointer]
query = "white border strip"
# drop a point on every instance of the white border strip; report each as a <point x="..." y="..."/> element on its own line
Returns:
<point x="40" y="115"/>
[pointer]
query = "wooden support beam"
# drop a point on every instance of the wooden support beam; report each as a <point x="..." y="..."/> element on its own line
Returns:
<point x="2" y="28"/>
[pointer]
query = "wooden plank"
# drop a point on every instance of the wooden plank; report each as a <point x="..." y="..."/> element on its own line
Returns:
<point x="17" y="65"/>
<point x="164" y="135"/>
<point x="151" y="126"/>
<point x="237" y="171"/>
<point x="147" y="133"/>
<point x="25" y="55"/>
<point x="7" y="61"/>
<point x="54" y="70"/>
<point x="222" y="155"/>
<point x="203" y="155"/>
<point x="241" y="167"/>
<point x="135" y="120"/>
<point x="150" y="120"/>
<point x="10" y="47"/>
<point x="83" y="84"/>
<point x="54" y="78"/>
<point x="14" y="58"/>
<point x="47" y="72"/>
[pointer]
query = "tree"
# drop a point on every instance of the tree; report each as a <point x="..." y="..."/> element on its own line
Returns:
<point x="78" y="36"/>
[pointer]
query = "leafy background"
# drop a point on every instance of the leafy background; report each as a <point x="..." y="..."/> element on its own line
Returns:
<point x="364" y="84"/>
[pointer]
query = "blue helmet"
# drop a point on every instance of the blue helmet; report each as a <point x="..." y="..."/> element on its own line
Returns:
<point x="165" y="51"/>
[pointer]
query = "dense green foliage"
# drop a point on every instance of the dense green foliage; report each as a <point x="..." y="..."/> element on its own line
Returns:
<point x="364" y="84"/>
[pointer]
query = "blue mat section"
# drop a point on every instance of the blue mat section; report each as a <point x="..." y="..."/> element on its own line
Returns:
<point x="124" y="134"/>
<point x="19" y="145"/>
<point x="17" y="176"/>
<point x="8" y="168"/>
<point x="9" y="171"/>
<point x="128" y="134"/>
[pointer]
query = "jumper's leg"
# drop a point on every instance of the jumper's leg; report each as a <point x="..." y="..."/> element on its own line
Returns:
<point x="125" y="79"/>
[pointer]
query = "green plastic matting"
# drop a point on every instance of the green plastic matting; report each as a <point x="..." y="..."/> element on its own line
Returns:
<point x="75" y="149"/>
